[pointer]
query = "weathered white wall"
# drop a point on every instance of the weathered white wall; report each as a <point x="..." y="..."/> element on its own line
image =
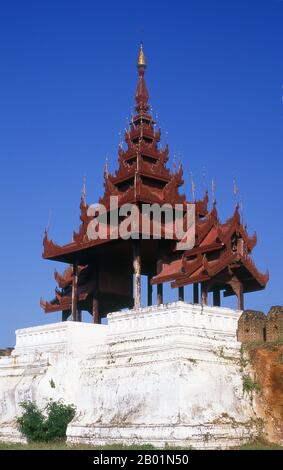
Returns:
<point x="168" y="374"/>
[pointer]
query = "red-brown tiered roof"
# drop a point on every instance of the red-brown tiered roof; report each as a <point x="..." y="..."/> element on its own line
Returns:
<point x="100" y="270"/>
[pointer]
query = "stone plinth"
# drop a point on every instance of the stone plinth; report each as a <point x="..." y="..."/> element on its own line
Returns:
<point x="160" y="375"/>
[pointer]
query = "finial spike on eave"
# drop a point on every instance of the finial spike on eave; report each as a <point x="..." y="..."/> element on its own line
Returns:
<point x="83" y="191"/>
<point x="106" y="173"/>
<point x="213" y="191"/>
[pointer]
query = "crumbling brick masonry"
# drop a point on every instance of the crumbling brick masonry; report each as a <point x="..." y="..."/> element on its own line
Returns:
<point x="256" y="326"/>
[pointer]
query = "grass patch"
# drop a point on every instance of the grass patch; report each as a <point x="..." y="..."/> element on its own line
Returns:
<point x="269" y="345"/>
<point x="257" y="445"/>
<point x="61" y="445"/>
<point x="249" y="385"/>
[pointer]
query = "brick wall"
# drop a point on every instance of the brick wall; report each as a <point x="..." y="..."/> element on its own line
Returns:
<point x="274" y="324"/>
<point x="251" y="326"/>
<point x="256" y="326"/>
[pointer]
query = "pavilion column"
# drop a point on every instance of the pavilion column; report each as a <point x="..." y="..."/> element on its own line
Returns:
<point x="181" y="294"/>
<point x="149" y="290"/>
<point x="196" y="293"/>
<point x="65" y="315"/>
<point x="216" y="298"/>
<point x="75" y="291"/>
<point x="159" y="294"/>
<point x="240" y="297"/>
<point x="204" y="293"/>
<point x="94" y="300"/>
<point x="137" y="272"/>
<point x="95" y="311"/>
<point x="237" y="287"/>
<point x="159" y="287"/>
<point x="79" y="315"/>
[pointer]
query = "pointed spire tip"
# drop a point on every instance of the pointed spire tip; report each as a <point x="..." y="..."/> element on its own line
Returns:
<point x="141" y="57"/>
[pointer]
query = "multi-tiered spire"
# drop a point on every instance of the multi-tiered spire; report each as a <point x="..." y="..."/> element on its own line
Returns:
<point x="142" y="175"/>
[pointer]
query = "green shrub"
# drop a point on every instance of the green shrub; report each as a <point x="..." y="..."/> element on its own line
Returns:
<point x="31" y="423"/>
<point x="51" y="425"/>
<point x="58" y="418"/>
<point x="249" y="385"/>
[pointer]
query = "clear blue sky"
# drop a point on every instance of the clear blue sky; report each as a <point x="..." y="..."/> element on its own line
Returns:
<point x="67" y="83"/>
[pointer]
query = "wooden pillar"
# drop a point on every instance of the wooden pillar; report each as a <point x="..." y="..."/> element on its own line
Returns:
<point x="240" y="297"/>
<point x="196" y="293"/>
<point x="75" y="291"/>
<point x="181" y="294"/>
<point x="149" y="291"/>
<point x="65" y="315"/>
<point x="137" y="272"/>
<point x="216" y="298"/>
<point x="79" y="315"/>
<point x="159" y="294"/>
<point x="203" y="293"/>
<point x="95" y="311"/>
<point x="237" y="287"/>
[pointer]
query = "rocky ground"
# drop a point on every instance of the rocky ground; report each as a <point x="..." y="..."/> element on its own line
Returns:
<point x="267" y="364"/>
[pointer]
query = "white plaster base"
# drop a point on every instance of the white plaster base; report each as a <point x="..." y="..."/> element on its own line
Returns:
<point x="160" y="375"/>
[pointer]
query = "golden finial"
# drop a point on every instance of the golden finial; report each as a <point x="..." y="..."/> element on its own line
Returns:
<point x="141" y="57"/>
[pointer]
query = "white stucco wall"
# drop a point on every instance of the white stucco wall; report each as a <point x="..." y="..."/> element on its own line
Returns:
<point x="167" y="374"/>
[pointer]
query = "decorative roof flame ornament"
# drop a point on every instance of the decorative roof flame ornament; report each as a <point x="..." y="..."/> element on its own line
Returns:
<point x="174" y="164"/>
<point x="235" y="191"/>
<point x="193" y="187"/>
<point x="46" y="231"/>
<point x="242" y="212"/>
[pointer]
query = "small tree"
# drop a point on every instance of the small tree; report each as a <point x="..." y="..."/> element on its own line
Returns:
<point x="52" y="425"/>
